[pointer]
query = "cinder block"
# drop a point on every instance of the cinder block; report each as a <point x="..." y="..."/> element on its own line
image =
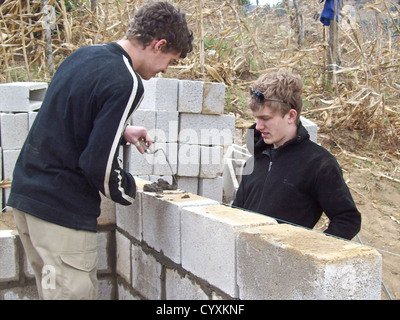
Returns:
<point x="311" y="127"/>
<point x="213" y="98"/>
<point x="129" y="218"/>
<point x="190" y="96"/>
<point x="211" y="188"/>
<point x="206" y="129"/>
<point x="144" y="118"/>
<point x="31" y="118"/>
<point x="166" y="126"/>
<point x="123" y="256"/>
<point x="161" y="220"/>
<point x="211" y="161"/>
<point x="9" y="159"/>
<point x="103" y="244"/>
<point x="22" y="96"/>
<point x="136" y="163"/>
<point x="160" y="94"/>
<point x="188" y="160"/>
<point x="188" y="184"/>
<point x="9" y="268"/>
<point x="107" y="211"/>
<point x="165" y="158"/>
<point x="209" y="242"/>
<point x="146" y="274"/>
<point x="287" y="262"/>
<point x="179" y="287"/>
<point x="14" y="130"/>
<point x="106" y="288"/>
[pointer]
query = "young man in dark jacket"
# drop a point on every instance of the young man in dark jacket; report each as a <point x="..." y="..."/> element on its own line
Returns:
<point x="289" y="177"/>
<point x="70" y="154"/>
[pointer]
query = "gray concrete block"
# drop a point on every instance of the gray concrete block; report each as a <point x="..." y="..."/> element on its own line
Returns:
<point x="311" y="127"/>
<point x="21" y="96"/>
<point x="14" y="130"/>
<point x="103" y="244"/>
<point x="287" y="262"/>
<point x="166" y="126"/>
<point x="188" y="184"/>
<point x="129" y="218"/>
<point x="211" y="188"/>
<point x="165" y="158"/>
<point x="213" y="98"/>
<point x="211" y="161"/>
<point x="206" y="129"/>
<point x="179" y="287"/>
<point x="188" y="160"/>
<point x="9" y="267"/>
<point x="209" y="242"/>
<point x="136" y="163"/>
<point x="190" y="96"/>
<point x="123" y="256"/>
<point x="146" y="274"/>
<point x="161" y="220"/>
<point x="160" y="94"/>
<point x="144" y="118"/>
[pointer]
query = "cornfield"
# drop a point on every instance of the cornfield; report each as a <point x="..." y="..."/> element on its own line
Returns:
<point x="234" y="46"/>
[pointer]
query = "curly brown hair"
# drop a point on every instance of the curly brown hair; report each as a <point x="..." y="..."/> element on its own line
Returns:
<point x="281" y="90"/>
<point x="161" y="20"/>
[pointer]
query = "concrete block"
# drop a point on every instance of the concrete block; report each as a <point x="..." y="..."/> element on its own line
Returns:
<point x="188" y="184"/>
<point x="129" y="218"/>
<point x="10" y="157"/>
<point x="14" y="130"/>
<point x="213" y="98"/>
<point x="209" y="242"/>
<point x="161" y="220"/>
<point x="179" y="287"/>
<point x="206" y="129"/>
<point x="31" y="118"/>
<point x="311" y="127"/>
<point x="211" y="188"/>
<point x="144" y="118"/>
<point x="190" y="96"/>
<point x="21" y="96"/>
<point x="106" y="288"/>
<point x="211" y="161"/>
<point x="107" y="211"/>
<point x="287" y="262"/>
<point x="160" y="94"/>
<point x="165" y="158"/>
<point x="136" y="163"/>
<point x="123" y="256"/>
<point x="103" y="251"/>
<point x="188" y="160"/>
<point x="146" y="274"/>
<point x="9" y="267"/>
<point x="166" y="126"/>
<point x="125" y="294"/>
<point x="27" y="292"/>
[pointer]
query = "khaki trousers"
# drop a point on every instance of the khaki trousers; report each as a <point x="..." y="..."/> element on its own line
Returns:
<point x="64" y="260"/>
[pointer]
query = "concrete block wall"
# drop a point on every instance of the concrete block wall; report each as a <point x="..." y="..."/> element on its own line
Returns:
<point x="178" y="245"/>
<point x="19" y="102"/>
<point x="186" y="120"/>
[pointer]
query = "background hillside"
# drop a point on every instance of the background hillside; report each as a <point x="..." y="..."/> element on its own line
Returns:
<point x="356" y="107"/>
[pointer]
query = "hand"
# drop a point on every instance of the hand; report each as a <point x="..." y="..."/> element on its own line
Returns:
<point x="134" y="134"/>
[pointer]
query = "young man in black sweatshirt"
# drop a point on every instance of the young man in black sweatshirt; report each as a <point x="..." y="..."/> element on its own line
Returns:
<point x="289" y="177"/>
<point x="70" y="154"/>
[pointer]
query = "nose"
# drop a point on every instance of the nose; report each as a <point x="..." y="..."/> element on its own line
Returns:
<point x="259" y="124"/>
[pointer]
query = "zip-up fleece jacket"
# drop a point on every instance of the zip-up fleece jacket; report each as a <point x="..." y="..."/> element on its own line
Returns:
<point x="71" y="151"/>
<point x="296" y="183"/>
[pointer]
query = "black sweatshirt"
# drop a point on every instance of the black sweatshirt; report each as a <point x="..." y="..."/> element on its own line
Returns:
<point x="300" y="182"/>
<point x="71" y="152"/>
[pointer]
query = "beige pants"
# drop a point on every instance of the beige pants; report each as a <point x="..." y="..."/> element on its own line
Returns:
<point x="64" y="260"/>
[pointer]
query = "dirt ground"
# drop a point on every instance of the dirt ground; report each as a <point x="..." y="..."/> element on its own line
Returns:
<point x="377" y="198"/>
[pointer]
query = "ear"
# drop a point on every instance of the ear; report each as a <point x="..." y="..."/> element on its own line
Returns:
<point x="160" y="44"/>
<point x="292" y="116"/>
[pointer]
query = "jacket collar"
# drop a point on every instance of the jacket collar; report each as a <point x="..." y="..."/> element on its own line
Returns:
<point x="256" y="145"/>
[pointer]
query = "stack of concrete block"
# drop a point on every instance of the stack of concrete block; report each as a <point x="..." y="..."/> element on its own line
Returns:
<point x="186" y="120"/>
<point x="19" y="103"/>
